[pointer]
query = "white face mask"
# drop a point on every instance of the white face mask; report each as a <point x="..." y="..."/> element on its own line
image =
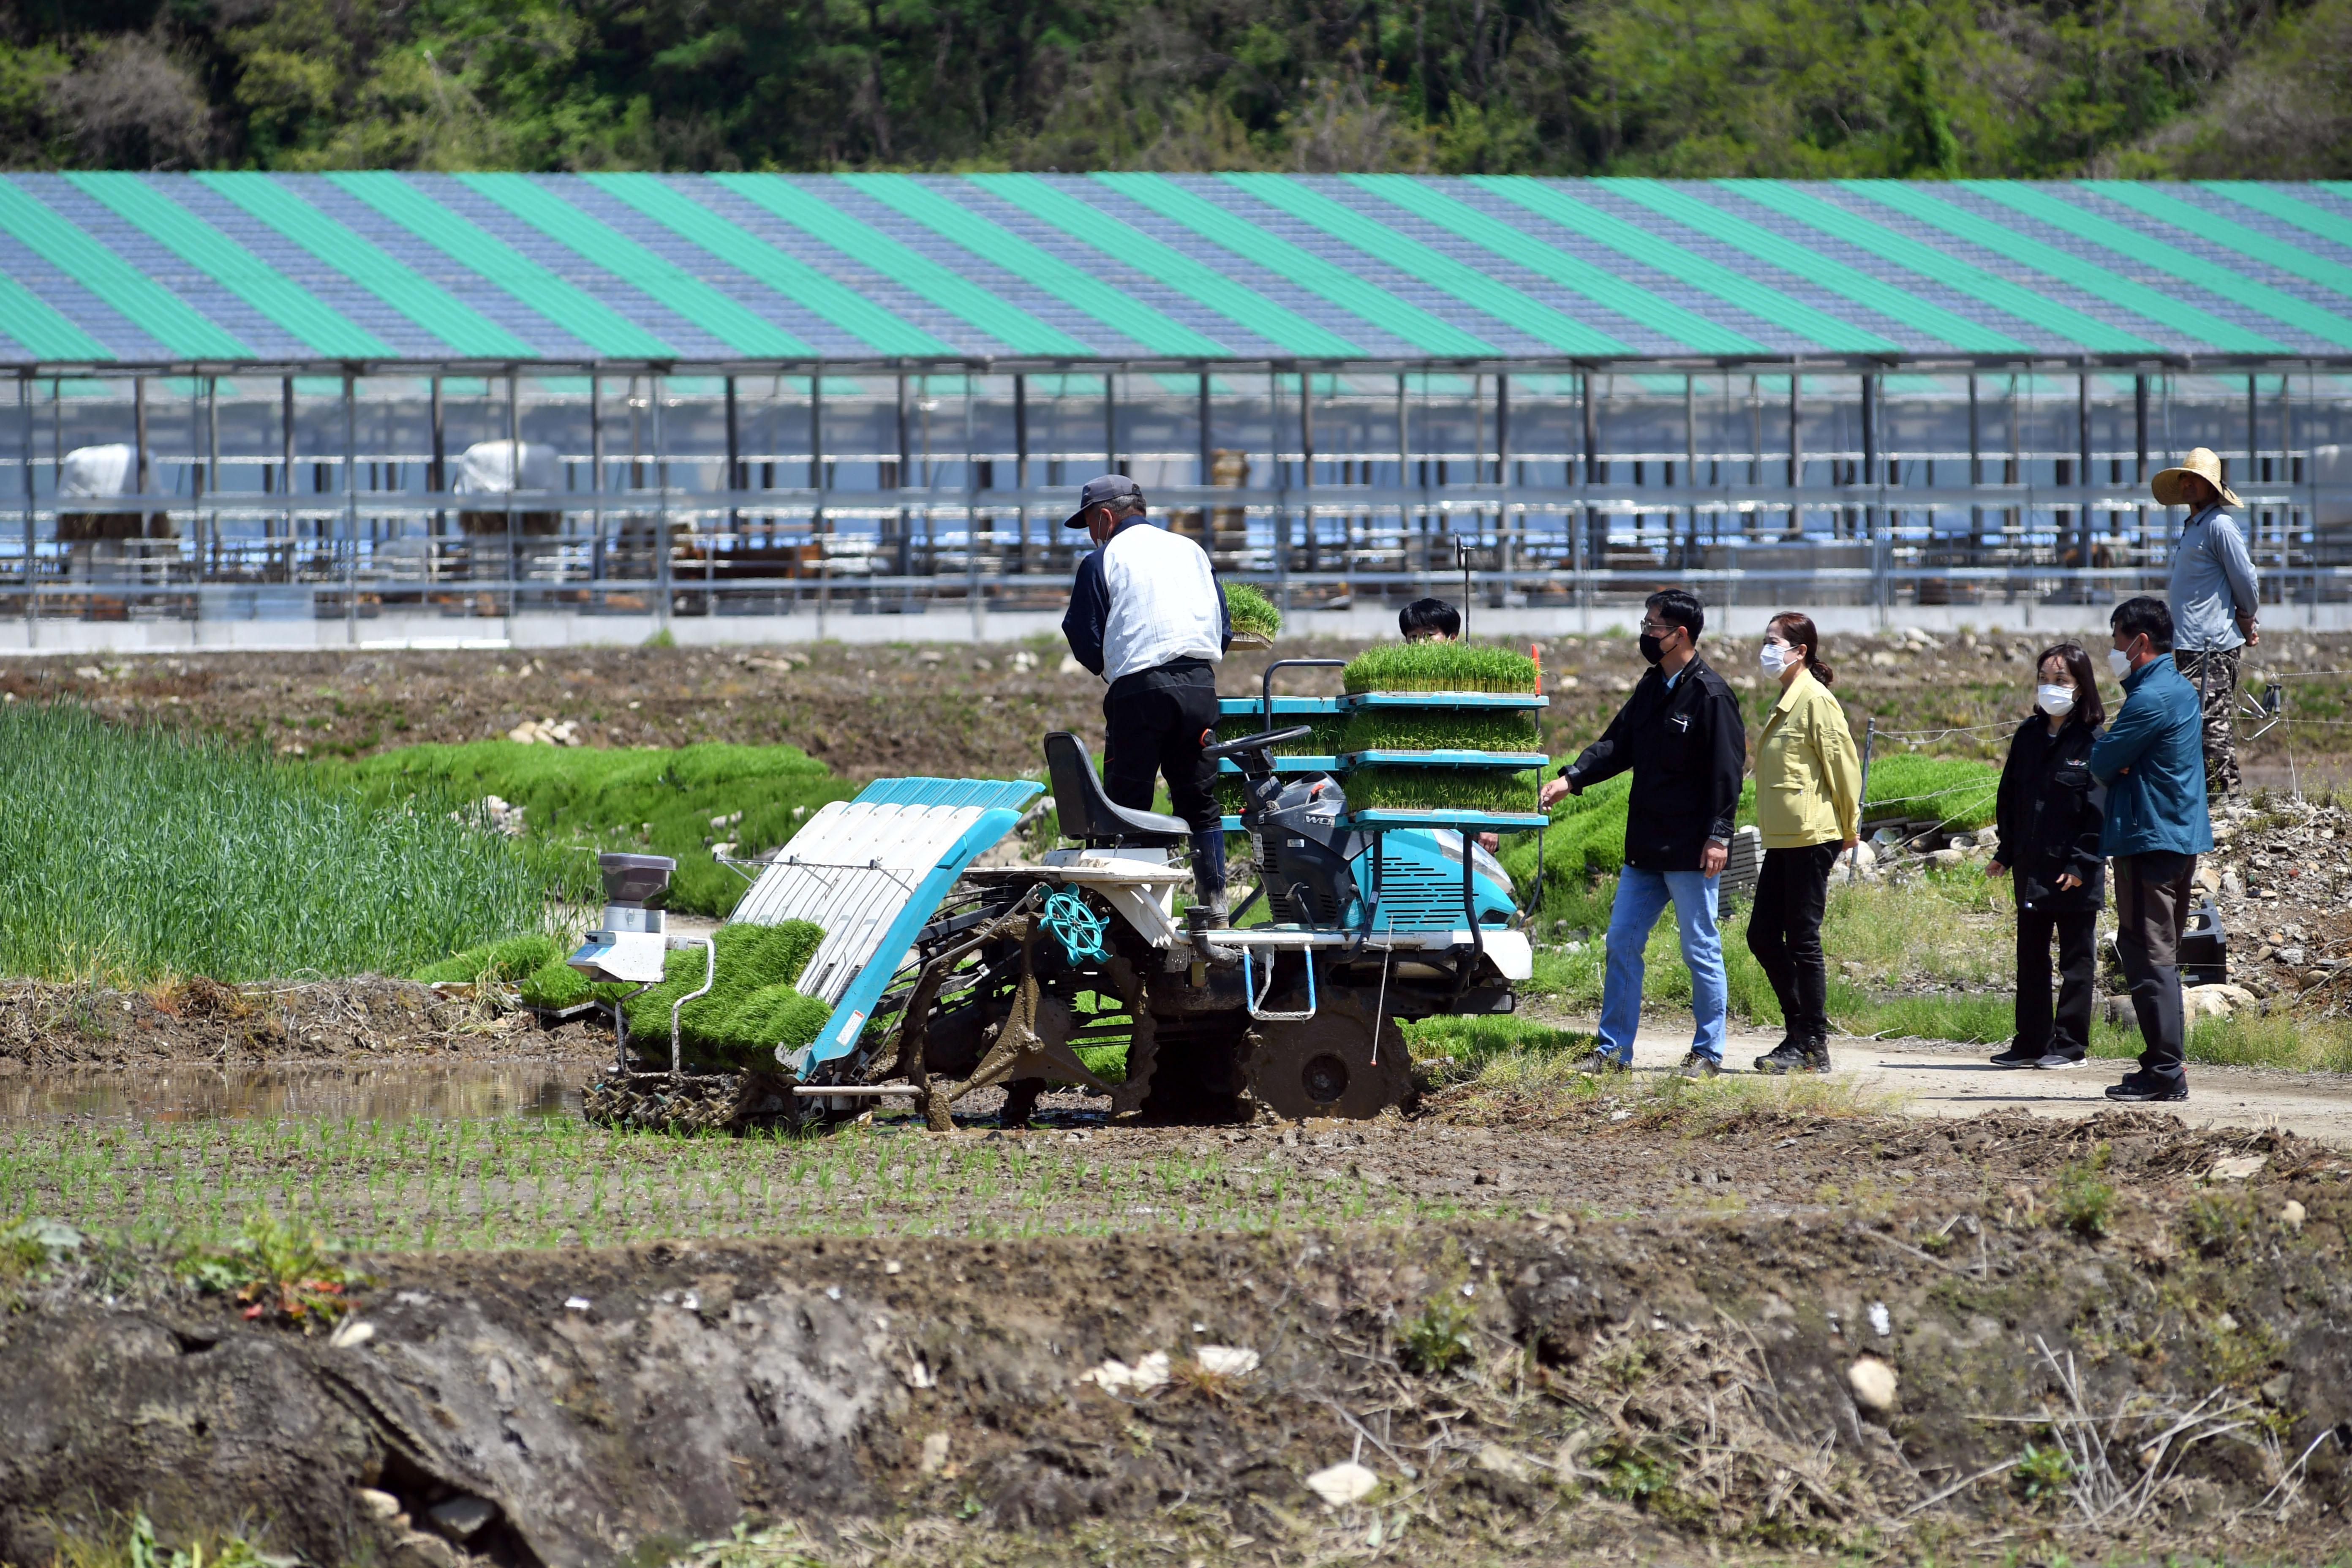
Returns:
<point x="2117" y="664"/>
<point x="2055" y="700"/>
<point x="1774" y="659"/>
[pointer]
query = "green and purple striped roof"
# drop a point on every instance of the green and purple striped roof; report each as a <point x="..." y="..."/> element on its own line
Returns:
<point x="379" y="268"/>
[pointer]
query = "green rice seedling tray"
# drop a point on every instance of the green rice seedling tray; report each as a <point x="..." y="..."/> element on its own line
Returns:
<point x="1439" y="667"/>
<point x="1449" y="758"/>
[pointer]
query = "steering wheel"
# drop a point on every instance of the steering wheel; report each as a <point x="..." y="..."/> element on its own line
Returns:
<point x="1258" y="742"/>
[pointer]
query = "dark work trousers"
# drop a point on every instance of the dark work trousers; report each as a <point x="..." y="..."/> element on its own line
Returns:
<point x="1784" y="932"/>
<point x="1152" y="724"/>
<point x="2069" y="1033"/>
<point x="2151" y="896"/>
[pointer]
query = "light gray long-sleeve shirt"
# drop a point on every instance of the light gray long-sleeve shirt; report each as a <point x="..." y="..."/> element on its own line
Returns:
<point x="2212" y="584"/>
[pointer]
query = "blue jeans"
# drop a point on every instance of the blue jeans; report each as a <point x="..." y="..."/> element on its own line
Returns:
<point x="1640" y="896"/>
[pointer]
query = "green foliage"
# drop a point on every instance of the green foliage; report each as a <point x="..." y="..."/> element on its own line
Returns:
<point x="495" y="961"/>
<point x="1441" y="730"/>
<point x="138" y="1547"/>
<point x="1437" y="1340"/>
<point x="282" y="1272"/>
<point x="751" y="1007"/>
<point x="1439" y="667"/>
<point x="1805" y="88"/>
<point x="2080" y="1199"/>
<point x="138" y="854"/>
<point x="1441" y="789"/>
<point x="1587" y="835"/>
<point x="643" y="799"/>
<point x="1251" y="610"/>
<point x="2044" y="1475"/>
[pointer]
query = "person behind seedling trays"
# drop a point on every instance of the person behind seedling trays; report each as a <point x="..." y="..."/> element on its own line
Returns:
<point x="1434" y="620"/>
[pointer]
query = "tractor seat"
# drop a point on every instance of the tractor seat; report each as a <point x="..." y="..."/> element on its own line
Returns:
<point x="1088" y="814"/>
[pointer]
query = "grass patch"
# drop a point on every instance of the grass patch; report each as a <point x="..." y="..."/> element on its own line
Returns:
<point x="1251" y="611"/>
<point x="1439" y="667"/>
<point x="1587" y="835"/>
<point x="681" y="802"/>
<point x="132" y="855"/>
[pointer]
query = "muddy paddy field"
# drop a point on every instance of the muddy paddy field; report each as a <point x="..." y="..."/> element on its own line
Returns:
<point x="332" y="1269"/>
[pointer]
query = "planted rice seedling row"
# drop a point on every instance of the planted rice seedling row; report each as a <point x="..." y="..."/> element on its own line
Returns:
<point x="552" y="1181"/>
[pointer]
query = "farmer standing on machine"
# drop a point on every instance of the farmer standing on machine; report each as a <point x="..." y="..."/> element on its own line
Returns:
<point x="1148" y="614"/>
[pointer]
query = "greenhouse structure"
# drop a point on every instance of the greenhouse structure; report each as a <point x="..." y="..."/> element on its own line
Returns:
<point x="427" y="410"/>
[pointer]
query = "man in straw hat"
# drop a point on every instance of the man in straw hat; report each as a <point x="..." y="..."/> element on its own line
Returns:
<point x="2213" y="600"/>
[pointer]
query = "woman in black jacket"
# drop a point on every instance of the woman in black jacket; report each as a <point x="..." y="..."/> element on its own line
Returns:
<point x="2049" y="813"/>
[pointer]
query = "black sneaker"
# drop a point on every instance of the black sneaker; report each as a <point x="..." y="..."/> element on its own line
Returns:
<point x="2056" y="1061"/>
<point x="1810" y="1055"/>
<point x="1597" y="1063"/>
<point x="2018" y="1056"/>
<point x="2142" y="1088"/>
<point x="1697" y="1065"/>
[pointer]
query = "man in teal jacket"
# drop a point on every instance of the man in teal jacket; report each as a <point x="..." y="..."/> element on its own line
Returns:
<point x="2152" y="760"/>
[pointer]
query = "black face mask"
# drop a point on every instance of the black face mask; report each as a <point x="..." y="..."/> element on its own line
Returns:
<point x="1653" y="649"/>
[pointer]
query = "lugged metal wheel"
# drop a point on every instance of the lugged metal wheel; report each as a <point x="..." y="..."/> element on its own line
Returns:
<point x="1330" y="1065"/>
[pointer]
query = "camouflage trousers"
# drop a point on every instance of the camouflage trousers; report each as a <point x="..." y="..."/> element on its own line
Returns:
<point x="2215" y="676"/>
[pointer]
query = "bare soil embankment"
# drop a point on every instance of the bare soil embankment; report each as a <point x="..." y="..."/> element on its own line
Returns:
<point x="954" y="710"/>
<point x="1611" y="1377"/>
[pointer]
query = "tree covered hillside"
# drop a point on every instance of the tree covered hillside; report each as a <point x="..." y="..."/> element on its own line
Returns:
<point x="1922" y="88"/>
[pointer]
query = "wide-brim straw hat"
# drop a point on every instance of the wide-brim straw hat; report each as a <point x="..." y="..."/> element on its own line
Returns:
<point x="2205" y="466"/>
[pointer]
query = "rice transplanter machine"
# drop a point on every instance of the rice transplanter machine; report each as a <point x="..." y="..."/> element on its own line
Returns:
<point x="946" y="976"/>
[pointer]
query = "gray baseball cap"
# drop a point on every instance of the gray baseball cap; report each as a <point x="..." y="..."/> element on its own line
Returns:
<point x="1102" y="490"/>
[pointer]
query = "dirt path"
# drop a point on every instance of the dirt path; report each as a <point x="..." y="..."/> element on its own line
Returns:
<point x="1938" y="1079"/>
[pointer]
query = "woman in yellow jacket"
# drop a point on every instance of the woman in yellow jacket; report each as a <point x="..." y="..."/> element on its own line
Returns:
<point x="1808" y="809"/>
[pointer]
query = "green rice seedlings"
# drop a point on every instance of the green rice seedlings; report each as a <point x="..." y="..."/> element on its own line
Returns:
<point x="1439" y="789"/>
<point x="1439" y="667"/>
<point x="1441" y="730"/>
<point x="751" y="1007"/>
<point x="1251" y="611"/>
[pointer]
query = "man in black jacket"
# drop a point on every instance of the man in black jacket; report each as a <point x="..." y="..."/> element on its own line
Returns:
<point x="1681" y="735"/>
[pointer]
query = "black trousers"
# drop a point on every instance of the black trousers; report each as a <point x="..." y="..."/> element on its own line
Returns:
<point x="2068" y="1032"/>
<point x="1152" y="724"/>
<point x="2151" y="896"/>
<point x="1784" y="932"/>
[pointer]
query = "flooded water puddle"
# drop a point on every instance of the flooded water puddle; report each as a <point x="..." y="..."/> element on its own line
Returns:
<point x="192" y="1092"/>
